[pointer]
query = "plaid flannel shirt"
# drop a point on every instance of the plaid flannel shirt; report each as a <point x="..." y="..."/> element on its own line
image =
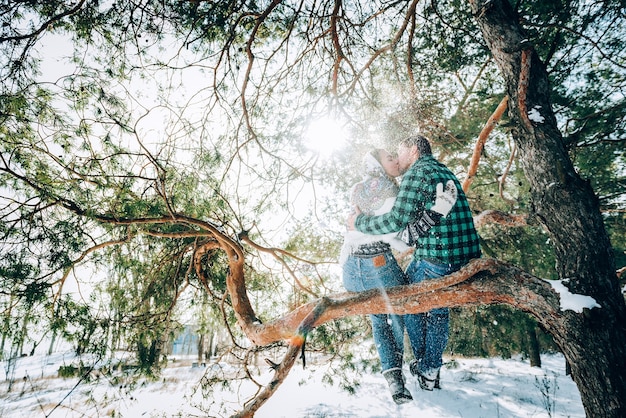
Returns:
<point x="454" y="240"/>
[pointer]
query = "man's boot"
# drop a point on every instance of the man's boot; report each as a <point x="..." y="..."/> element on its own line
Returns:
<point x="396" y="381"/>
<point x="427" y="381"/>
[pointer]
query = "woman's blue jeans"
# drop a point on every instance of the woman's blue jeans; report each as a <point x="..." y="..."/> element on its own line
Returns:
<point x="379" y="272"/>
<point x="428" y="332"/>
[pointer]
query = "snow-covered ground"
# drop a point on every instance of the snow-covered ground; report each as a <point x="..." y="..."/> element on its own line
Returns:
<point x="474" y="388"/>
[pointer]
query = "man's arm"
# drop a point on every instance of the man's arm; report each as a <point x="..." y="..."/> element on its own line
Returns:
<point x="445" y="200"/>
<point x="412" y="197"/>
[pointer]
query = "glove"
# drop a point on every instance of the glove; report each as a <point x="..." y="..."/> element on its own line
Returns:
<point x="445" y="199"/>
<point x="421" y="226"/>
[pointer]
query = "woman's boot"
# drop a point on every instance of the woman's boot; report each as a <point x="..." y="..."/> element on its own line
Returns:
<point x="396" y="381"/>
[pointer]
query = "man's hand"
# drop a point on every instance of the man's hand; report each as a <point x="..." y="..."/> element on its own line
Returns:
<point x="445" y="199"/>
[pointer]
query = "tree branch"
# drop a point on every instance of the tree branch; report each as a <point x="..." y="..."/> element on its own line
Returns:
<point x="482" y="281"/>
<point x="480" y="143"/>
<point x="501" y="218"/>
<point x="44" y="25"/>
<point x="277" y="253"/>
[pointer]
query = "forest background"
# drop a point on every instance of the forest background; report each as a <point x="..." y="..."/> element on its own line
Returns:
<point x="138" y="136"/>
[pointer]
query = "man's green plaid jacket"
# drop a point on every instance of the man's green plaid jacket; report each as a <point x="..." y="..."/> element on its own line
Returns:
<point x="453" y="240"/>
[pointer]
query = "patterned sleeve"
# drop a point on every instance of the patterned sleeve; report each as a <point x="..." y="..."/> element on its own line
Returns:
<point x="415" y="192"/>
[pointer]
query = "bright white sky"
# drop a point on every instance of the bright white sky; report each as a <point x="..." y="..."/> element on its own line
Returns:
<point x="326" y="135"/>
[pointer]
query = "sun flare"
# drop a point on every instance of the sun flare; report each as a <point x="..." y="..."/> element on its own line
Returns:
<point x="325" y="135"/>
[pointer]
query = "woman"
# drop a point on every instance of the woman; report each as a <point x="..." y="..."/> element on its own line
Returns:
<point x="368" y="263"/>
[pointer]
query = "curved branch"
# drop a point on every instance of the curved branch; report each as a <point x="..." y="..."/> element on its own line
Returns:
<point x="277" y="253"/>
<point x="410" y="12"/>
<point x="250" y="55"/>
<point x="482" y="281"/>
<point x="480" y="143"/>
<point x="85" y="253"/>
<point x="335" y="39"/>
<point x="296" y="345"/>
<point x="280" y="373"/>
<point x="45" y="25"/>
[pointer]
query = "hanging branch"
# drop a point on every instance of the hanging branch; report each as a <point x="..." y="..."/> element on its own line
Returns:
<point x="279" y="255"/>
<point x="61" y="282"/>
<point x="260" y="20"/>
<point x="480" y="143"/>
<point x="45" y="25"/>
<point x="335" y="39"/>
<point x="281" y="371"/>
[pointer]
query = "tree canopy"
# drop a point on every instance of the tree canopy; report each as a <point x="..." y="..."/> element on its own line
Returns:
<point x="150" y="150"/>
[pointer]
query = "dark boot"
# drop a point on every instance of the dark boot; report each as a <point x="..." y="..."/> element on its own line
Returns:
<point x="396" y="381"/>
<point x="426" y="382"/>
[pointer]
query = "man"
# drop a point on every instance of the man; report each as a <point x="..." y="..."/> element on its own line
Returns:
<point x="442" y="247"/>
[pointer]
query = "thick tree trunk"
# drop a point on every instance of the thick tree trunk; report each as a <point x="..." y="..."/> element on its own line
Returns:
<point x="593" y="342"/>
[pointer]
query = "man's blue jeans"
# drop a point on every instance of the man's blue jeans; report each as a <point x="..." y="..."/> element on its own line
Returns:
<point x="379" y="272"/>
<point x="428" y="332"/>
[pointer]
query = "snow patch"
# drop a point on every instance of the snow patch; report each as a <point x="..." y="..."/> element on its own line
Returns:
<point x="471" y="388"/>
<point x="535" y="116"/>
<point x="570" y="300"/>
